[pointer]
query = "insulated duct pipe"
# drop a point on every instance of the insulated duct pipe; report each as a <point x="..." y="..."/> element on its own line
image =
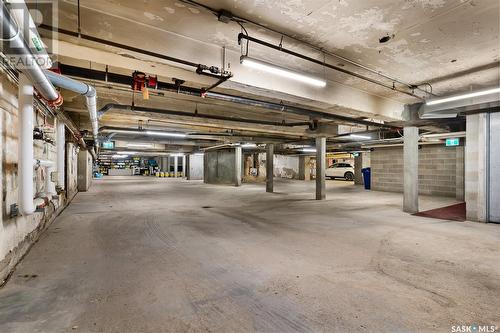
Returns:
<point x="61" y="153"/>
<point x="25" y="155"/>
<point x="19" y="53"/>
<point x="81" y="88"/>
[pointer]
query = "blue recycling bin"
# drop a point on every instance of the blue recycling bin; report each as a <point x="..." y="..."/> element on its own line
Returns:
<point x="367" y="179"/>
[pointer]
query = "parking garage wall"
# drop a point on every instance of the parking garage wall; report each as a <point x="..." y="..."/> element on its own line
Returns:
<point x="220" y="166"/>
<point x="195" y="166"/>
<point x="286" y="166"/>
<point x="441" y="170"/>
<point x="18" y="233"/>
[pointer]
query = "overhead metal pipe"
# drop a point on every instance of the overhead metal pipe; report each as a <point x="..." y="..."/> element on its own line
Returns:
<point x="20" y="55"/>
<point x="81" y="88"/>
<point x="114" y="106"/>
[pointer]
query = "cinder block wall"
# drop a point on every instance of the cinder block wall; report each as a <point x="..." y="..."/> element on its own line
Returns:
<point x="439" y="170"/>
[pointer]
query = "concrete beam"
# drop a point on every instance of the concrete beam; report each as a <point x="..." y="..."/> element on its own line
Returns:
<point x="270" y="168"/>
<point x="410" y="176"/>
<point x="320" y="168"/>
<point x="246" y="81"/>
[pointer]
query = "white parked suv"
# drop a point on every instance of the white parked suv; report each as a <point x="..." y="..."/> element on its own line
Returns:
<point x="340" y="170"/>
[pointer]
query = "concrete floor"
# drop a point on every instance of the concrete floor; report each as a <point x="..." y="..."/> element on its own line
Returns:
<point x="163" y="255"/>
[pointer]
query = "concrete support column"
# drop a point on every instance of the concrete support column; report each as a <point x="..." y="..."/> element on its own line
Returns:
<point x="165" y="164"/>
<point x="188" y="167"/>
<point x="410" y="176"/>
<point x="270" y="168"/>
<point x="320" y="168"/>
<point x="460" y="173"/>
<point x="183" y="165"/>
<point x="237" y="165"/>
<point x="476" y="167"/>
<point x="205" y="167"/>
<point x="176" y="165"/>
<point x="84" y="171"/>
<point x="358" y="165"/>
<point x="304" y="168"/>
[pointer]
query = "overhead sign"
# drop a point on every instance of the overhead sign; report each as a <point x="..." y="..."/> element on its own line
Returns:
<point x="452" y="142"/>
<point x="108" y="144"/>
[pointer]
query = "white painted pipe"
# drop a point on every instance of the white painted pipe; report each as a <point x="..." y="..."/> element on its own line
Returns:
<point x="25" y="155"/>
<point x="50" y="167"/>
<point x="61" y="153"/>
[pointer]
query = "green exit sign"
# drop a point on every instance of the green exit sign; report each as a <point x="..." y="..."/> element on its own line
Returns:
<point x="452" y="142"/>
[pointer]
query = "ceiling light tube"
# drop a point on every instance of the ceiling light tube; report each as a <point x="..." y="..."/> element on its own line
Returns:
<point x="309" y="150"/>
<point x="463" y="96"/>
<point x="169" y="134"/>
<point x="357" y="136"/>
<point x="280" y="71"/>
<point x="141" y="145"/>
<point x="126" y="152"/>
<point x="248" y="145"/>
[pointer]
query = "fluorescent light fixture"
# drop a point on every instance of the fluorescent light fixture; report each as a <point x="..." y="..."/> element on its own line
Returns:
<point x="126" y="152"/>
<point x="357" y="136"/>
<point x="176" y="155"/>
<point x="309" y="150"/>
<point x="169" y="134"/>
<point x="280" y="71"/>
<point x="141" y="145"/>
<point x="198" y="154"/>
<point x="116" y="156"/>
<point x="248" y="145"/>
<point x="463" y="96"/>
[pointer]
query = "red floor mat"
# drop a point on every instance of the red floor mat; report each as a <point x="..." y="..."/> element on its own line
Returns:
<point x="454" y="212"/>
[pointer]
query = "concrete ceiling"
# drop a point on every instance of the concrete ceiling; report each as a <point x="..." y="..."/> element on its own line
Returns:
<point x="454" y="45"/>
